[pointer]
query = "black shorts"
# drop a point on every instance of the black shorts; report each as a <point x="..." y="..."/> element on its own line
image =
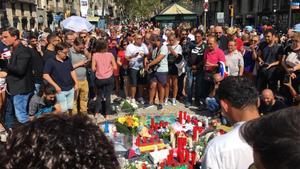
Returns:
<point x="135" y="79"/>
<point x="173" y="70"/>
<point x="160" y="77"/>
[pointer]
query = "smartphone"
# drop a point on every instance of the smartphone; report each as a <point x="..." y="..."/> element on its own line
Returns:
<point x="286" y="79"/>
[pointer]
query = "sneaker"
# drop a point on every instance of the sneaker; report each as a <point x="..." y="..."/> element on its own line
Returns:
<point x="187" y="105"/>
<point x="141" y="100"/>
<point x="166" y="101"/>
<point x="159" y="107"/>
<point x="174" y="101"/>
<point x="148" y="105"/>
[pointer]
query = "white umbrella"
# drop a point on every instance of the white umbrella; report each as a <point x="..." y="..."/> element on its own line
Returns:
<point x="77" y="24"/>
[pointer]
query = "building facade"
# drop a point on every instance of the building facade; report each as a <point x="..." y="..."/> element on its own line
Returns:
<point x="252" y="12"/>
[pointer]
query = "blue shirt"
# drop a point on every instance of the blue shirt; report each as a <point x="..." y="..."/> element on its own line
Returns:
<point x="60" y="72"/>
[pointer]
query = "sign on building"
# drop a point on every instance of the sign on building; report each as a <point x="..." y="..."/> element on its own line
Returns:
<point x="84" y="6"/>
<point x="220" y="17"/>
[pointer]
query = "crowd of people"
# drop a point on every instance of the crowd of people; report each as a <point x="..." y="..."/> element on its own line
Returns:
<point x="222" y="70"/>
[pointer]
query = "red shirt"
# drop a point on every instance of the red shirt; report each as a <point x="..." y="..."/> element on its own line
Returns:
<point x="239" y="44"/>
<point x="121" y="55"/>
<point x="213" y="57"/>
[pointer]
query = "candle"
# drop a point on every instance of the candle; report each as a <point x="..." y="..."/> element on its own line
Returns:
<point x="180" y="117"/>
<point x="188" y="118"/>
<point x="193" y="157"/>
<point x="152" y="122"/>
<point x="195" y="133"/>
<point x="138" y="141"/>
<point x="170" y="157"/>
<point x="162" y="165"/>
<point x="187" y="156"/>
<point x="184" y="115"/>
<point x="144" y="166"/>
<point x="181" y="155"/>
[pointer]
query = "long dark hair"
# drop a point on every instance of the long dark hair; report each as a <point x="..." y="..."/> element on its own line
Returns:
<point x="101" y="46"/>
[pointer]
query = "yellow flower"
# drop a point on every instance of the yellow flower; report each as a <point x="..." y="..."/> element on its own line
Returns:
<point x="122" y="120"/>
<point x="135" y="124"/>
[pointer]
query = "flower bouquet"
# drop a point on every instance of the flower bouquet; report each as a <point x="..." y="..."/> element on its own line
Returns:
<point x="128" y="124"/>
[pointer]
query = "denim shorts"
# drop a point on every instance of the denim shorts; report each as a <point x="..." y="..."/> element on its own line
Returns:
<point x="66" y="100"/>
<point x="160" y="77"/>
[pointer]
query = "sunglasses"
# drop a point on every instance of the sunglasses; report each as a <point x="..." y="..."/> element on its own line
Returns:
<point x="218" y="32"/>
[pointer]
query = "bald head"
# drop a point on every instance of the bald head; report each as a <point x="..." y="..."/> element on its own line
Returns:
<point x="268" y="97"/>
<point x="218" y="31"/>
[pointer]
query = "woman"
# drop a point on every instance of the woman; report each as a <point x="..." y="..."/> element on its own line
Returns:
<point x="123" y="63"/>
<point x="103" y="64"/>
<point x="275" y="139"/>
<point x="174" y="56"/>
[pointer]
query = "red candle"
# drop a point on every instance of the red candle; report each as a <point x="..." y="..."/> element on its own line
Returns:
<point x="152" y="122"/>
<point x="187" y="156"/>
<point x="180" y="117"/>
<point x="138" y="141"/>
<point x="162" y="165"/>
<point x="193" y="157"/>
<point x="184" y="142"/>
<point x="181" y="157"/>
<point x="195" y="133"/>
<point x="161" y="124"/>
<point x="184" y="115"/>
<point x="188" y="118"/>
<point x="144" y="166"/>
<point x="170" y="157"/>
<point x="144" y="140"/>
<point x="152" y="140"/>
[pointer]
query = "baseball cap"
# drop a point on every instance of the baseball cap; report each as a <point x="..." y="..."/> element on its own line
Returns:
<point x="297" y="28"/>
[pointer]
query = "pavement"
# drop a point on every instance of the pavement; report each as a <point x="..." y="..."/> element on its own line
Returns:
<point x="167" y="110"/>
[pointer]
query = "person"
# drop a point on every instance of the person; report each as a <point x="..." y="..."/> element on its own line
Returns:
<point x="60" y="74"/>
<point x="212" y="56"/>
<point x="5" y="54"/>
<point x="135" y="53"/>
<point x="271" y="143"/>
<point x="174" y="57"/>
<point x="70" y="38"/>
<point x="195" y="63"/>
<point x="238" y="100"/>
<point x="222" y="40"/>
<point x="37" y="61"/>
<point x="268" y="58"/>
<point x="59" y="141"/>
<point x="52" y="39"/>
<point x="79" y="62"/>
<point x="249" y="59"/>
<point x="232" y="35"/>
<point x="103" y="64"/>
<point x="123" y="63"/>
<point x="159" y="74"/>
<point x="269" y="103"/>
<point x="234" y="60"/>
<point x="19" y="75"/>
<point x="43" y="102"/>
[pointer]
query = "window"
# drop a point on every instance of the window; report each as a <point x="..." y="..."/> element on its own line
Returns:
<point x="22" y="9"/>
<point x="251" y="5"/>
<point x="30" y="9"/>
<point x="13" y="8"/>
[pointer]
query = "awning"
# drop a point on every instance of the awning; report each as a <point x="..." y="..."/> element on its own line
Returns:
<point x="175" y="9"/>
<point x="27" y="1"/>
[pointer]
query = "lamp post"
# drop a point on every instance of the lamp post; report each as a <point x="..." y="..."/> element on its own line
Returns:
<point x="205" y="6"/>
<point x="290" y="13"/>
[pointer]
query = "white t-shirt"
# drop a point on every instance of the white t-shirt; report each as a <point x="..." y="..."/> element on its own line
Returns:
<point x="136" y="62"/>
<point x="234" y="61"/>
<point x="228" y="151"/>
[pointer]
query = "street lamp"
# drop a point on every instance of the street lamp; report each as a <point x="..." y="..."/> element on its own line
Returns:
<point x="290" y="13"/>
<point x="274" y="12"/>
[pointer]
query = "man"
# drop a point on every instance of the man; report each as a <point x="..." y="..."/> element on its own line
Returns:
<point x="232" y="34"/>
<point x="19" y="74"/>
<point x="43" y="102"/>
<point x="69" y="38"/>
<point x="53" y="39"/>
<point x="136" y="53"/>
<point x="269" y="103"/>
<point x="60" y="74"/>
<point x="234" y="60"/>
<point x="37" y="62"/>
<point x="213" y="55"/>
<point x="159" y="76"/>
<point x="238" y="99"/>
<point x="79" y="61"/>
<point x="268" y="59"/>
<point x="222" y="40"/>
<point x="195" y="61"/>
